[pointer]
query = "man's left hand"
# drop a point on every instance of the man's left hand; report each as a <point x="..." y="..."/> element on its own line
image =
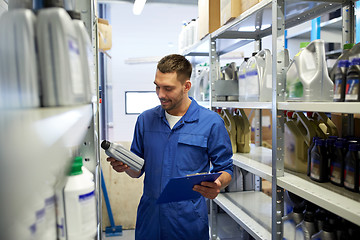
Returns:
<point x="208" y="189"/>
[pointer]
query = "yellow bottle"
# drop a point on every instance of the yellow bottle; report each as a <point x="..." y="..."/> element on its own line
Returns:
<point x="326" y="124"/>
<point x="298" y="136"/>
<point x="243" y="131"/>
<point x="230" y="127"/>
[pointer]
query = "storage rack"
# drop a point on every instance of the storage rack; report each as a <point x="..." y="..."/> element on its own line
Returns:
<point x="272" y="18"/>
<point x="47" y="137"/>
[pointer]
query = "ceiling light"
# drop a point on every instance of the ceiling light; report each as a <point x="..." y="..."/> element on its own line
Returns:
<point x="138" y="6"/>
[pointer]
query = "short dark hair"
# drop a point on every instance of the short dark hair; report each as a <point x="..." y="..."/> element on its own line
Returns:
<point x="176" y="63"/>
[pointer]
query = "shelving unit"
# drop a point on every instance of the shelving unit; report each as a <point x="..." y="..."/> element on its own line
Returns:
<point x="265" y="19"/>
<point x="251" y="210"/>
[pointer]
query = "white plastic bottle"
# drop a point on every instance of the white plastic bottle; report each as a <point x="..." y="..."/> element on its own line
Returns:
<point x="86" y="54"/>
<point x="259" y="77"/>
<point x="19" y="87"/>
<point x="242" y="80"/>
<point x="307" y="78"/>
<point x="59" y="57"/>
<point x="50" y="214"/>
<point x="80" y="205"/>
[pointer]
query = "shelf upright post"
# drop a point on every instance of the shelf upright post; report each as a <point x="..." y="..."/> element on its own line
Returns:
<point x="348" y="36"/>
<point x="278" y="83"/>
<point x="214" y="69"/>
<point x="214" y="75"/>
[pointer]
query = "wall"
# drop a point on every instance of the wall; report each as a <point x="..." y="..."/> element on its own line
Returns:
<point x="152" y="34"/>
<point x="3" y="6"/>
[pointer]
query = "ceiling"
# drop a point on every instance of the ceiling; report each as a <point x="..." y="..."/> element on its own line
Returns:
<point x="184" y="2"/>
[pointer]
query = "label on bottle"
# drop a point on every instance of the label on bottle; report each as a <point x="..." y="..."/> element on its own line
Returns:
<point x="337" y="88"/>
<point x="88" y="213"/>
<point x="349" y="177"/>
<point x="75" y="66"/>
<point x="315" y="168"/>
<point x="296" y="89"/>
<point x="252" y="82"/>
<point x="352" y="89"/>
<point x="335" y="172"/>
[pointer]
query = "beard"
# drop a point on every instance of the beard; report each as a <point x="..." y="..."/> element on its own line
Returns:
<point x="170" y="104"/>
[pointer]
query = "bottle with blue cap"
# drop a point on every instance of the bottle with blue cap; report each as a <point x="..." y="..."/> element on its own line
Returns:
<point x="319" y="162"/>
<point x="340" y="80"/>
<point x="337" y="162"/>
<point x="352" y="81"/>
<point x="351" y="171"/>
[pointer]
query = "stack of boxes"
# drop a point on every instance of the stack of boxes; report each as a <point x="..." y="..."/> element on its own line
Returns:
<point x="215" y="13"/>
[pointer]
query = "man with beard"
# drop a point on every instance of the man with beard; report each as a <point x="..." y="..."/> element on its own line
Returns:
<point x="176" y="139"/>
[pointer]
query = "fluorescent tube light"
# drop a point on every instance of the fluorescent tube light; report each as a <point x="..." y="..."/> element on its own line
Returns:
<point x="138" y="6"/>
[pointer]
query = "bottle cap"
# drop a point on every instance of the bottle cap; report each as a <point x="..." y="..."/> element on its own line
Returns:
<point x="290" y="114"/>
<point x="105" y="145"/>
<point x="348" y="46"/>
<point x="320" y="142"/>
<point x="309" y="114"/>
<point x="340" y="143"/>
<point x="53" y="3"/>
<point x="15" y="4"/>
<point x="344" y="63"/>
<point x="354" y="147"/>
<point x="304" y="44"/>
<point x="330" y="142"/>
<point x="74" y="14"/>
<point x="355" y="61"/>
<point x="76" y="167"/>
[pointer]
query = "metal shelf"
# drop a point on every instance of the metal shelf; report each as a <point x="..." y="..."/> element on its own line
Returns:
<point x="334" y="107"/>
<point x="258" y="161"/>
<point x="251" y="210"/>
<point x="249" y="105"/>
<point x="36" y="144"/>
<point x="335" y="199"/>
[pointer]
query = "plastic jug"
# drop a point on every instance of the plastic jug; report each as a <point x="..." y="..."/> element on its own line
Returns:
<point x="80" y="205"/>
<point x="242" y="80"/>
<point x="230" y="126"/>
<point x="352" y="92"/>
<point x="316" y="125"/>
<point x="297" y="139"/>
<point x="201" y="82"/>
<point x="291" y="220"/>
<point x="325" y="123"/>
<point x="243" y="131"/>
<point x="86" y="54"/>
<point x="307" y="227"/>
<point x="259" y="77"/>
<point x="307" y="77"/>
<point x="59" y="54"/>
<point x="19" y="87"/>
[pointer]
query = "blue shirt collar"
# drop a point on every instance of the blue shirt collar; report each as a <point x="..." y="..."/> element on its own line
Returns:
<point x="191" y="115"/>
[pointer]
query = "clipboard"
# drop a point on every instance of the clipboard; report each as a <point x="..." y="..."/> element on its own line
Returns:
<point x="180" y="188"/>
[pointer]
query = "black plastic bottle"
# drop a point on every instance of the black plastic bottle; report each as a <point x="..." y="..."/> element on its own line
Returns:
<point x="351" y="170"/>
<point x="337" y="162"/>
<point x="319" y="162"/>
<point x="340" y="80"/>
<point x="352" y="81"/>
<point x="312" y="145"/>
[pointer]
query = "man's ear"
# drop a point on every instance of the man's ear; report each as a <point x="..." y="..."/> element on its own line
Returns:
<point x="187" y="85"/>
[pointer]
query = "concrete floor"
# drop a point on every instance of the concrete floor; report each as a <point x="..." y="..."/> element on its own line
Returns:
<point x="228" y="229"/>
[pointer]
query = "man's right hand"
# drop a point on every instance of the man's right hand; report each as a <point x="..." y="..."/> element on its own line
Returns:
<point x="117" y="165"/>
<point x="122" y="167"/>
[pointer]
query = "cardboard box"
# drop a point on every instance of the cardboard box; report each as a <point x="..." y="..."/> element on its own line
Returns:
<point x="209" y="17"/>
<point x="105" y="34"/>
<point x="246" y="4"/>
<point x="229" y="9"/>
